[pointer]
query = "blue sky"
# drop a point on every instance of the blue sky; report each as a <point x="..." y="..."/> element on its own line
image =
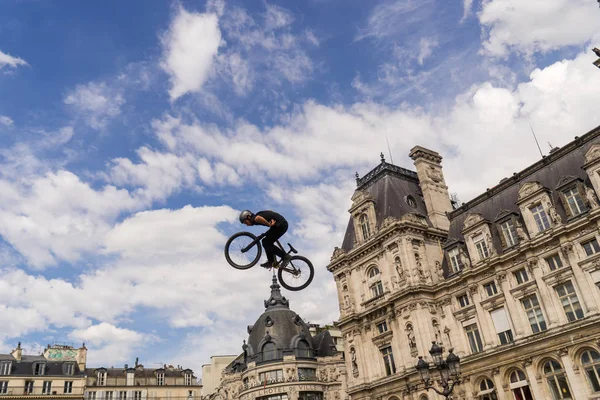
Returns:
<point x="132" y="133"/>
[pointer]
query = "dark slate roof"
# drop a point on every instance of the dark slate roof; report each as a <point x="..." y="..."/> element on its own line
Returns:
<point x="389" y="185"/>
<point x="25" y="366"/>
<point x="324" y="344"/>
<point x="562" y="162"/>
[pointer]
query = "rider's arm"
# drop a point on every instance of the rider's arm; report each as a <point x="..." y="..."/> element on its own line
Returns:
<point x="263" y="221"/>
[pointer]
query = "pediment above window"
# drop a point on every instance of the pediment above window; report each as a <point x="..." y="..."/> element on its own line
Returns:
<point x="504" y="215"/>
<point x="566" y="181"/>
<point x="593" y="154"/>
<point x="529" y="189"/>
<point x="359" y="198"/>
<point x="473" y="221"/>
<point x="452" y="242"/>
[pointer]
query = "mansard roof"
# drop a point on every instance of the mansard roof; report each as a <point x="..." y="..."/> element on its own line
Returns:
<point x="389" y="186"/>
<point x="25" y="367"/>
<point x="550" y="172"/>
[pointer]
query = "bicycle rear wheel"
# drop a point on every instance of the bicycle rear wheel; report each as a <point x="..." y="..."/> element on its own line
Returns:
<point x="233" y="250"/>
<point x="297" y="275"/>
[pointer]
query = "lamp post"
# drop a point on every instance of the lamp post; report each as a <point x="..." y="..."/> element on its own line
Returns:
<point x="449" y="370"/>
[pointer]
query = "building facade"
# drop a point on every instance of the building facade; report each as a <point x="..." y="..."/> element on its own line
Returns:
<point x="58" y="373"/>
<point x="211" y="373"/>
<point x="282" y="360"/>
<point x="334" y="331"/>
<point x="139" y="383"/>
<point x="510" y="280"/>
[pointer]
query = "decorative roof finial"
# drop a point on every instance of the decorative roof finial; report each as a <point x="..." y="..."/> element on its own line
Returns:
<point x="276" y="299"/>
<point x="357" y="178"/>
<point x="382" y="157"/>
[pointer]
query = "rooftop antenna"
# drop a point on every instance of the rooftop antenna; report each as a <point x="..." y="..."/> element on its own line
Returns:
<point x="388" y="145"/>
<point x="536" y="141"/>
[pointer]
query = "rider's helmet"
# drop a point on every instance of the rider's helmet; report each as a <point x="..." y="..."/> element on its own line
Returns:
<point x="244" y="215"/>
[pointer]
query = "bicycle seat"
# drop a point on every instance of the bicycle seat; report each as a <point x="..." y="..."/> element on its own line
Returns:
<point x="293" y="249"/>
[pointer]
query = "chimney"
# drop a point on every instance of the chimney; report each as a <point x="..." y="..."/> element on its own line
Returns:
<point x="82" y="357"/>
<point x="18" y="352"/>
<point x="433" y="185"/>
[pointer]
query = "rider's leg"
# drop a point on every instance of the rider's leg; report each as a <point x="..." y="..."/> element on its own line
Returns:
<point x="269" y="240"/>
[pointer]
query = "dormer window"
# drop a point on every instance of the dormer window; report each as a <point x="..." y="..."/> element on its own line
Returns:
<point x="574" y="201"/>
<point x="160" y="378"/>
<point x="130" y="378"/>
<point x="188" y="376"/>
<point x="454" y="257"/>
<point x="364" y="226"/>
<point x="269" y="351"/>
<point x="101" y="378"/>
<point x="5" y="367"/>
<point x="69" y="368"/>
<point x="481" y="246"/>
<point x="39" y="368"/>
<point x="509" y="233"/>
<point x="303" y="349"/>
<point x="541" y="217"/>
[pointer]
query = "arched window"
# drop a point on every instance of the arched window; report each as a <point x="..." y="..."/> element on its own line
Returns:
<point x="373" y="272"/>
<point x="303" y="349"/>
<point x="557" y="381"/>
<point x="519" y="386"/>
<point x="486" y="390"/>
<point x="364" y="226"/>
<point x="590" y="360"/>
<point x="423" y="397"/>
<point x="269" y="351"/>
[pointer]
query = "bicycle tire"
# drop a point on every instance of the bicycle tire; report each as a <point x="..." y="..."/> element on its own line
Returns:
<point x="287" y="285"/>
<point x="228" y="249"/>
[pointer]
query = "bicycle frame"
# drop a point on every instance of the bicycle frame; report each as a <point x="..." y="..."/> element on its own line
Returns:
<point x="259" y="238"/>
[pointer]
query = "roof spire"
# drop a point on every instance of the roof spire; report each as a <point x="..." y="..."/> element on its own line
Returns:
<point x="276" y="300"/>
<point x="382" y="157"/>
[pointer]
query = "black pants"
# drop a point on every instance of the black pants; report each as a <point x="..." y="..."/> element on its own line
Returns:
<point x="268" y="242"/>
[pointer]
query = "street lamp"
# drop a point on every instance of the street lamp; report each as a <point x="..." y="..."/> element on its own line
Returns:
<point x="449" y="370"/>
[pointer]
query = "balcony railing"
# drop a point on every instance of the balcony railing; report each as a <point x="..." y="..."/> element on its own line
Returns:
<point x="39" y="391"/>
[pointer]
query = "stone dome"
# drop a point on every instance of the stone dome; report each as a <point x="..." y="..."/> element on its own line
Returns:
<point x="278" y="332"/>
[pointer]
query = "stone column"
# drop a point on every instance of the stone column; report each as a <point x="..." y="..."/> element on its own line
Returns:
<point x="517" y="315"/>
<point x="578" y="388"/>
<point x="546" y="298"/>
<point x="586" y="287"/>
<point x="537" y="390"/>
<point x="487" y="330"/>
<point x="498" y="383"/>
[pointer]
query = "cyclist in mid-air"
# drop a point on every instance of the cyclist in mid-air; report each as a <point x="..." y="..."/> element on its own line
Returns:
<point x="278" y="225"/>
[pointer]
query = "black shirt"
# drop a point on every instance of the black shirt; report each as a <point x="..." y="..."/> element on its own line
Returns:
<point x="269" y="215"/>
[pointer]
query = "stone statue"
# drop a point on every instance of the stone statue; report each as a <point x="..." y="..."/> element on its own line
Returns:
<point x="411" y="337"/>
<point x="591" y="198"/>
<point x="490" y="242"/>
<point x="354" y="363"/>
<point x="399" y="269"/>
<point x="554" y="217"/>
<point x="464" y="259"/>
<point x="394" y="282"/>
<point x="439" y="270"/>
<point x="521" y="232"/>
<point x="419" y="272"/>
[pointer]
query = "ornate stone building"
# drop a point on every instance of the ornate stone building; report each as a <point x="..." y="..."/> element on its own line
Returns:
<point x="139" y="383"/>
<point x="283" y="361"/>
<point x="510" y="280"/>
<point x="58" y="373"/>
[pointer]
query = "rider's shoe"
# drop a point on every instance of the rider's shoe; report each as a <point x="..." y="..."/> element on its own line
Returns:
<point x="268" y="264"/>
<point x="285" y="260"/>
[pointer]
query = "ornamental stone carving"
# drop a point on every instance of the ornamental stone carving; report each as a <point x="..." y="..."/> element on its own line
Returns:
<point x="521" y="234"/>
<point x="337" y="253"/>
<point x="354" y="362"/>
<point x="528" y="188"/>
<point x="412" y="343"/>
<point x="464" y="258"/>
<point x="554" y="217"/>
<point x="592" y="154"/>
<point x="591" y="198"/>
<point x="471" y="220"/>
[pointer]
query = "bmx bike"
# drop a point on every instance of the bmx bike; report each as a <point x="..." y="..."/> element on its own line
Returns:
<point x="243" y="250"/>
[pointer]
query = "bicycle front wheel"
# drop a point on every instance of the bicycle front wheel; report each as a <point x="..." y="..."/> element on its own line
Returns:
<point x="297" y="275"/>
<point x="233" y="250"/>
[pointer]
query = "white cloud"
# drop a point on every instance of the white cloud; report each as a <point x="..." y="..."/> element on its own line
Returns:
<point x="383" y="18"/>
<point x="107" y="343"/>
<point x="190" y="47"/>
<point x="10" y="61"/>
<point x="58" y="217"/>
<point x="6" y="121"/>
<point x="532" y="26"/>
<point x="426" y="46"/>
<point x="97" y="103"/>
<point x="467" y="6"/>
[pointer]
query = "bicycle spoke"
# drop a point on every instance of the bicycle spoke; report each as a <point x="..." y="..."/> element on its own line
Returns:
<point x="298" y="271"/>
<point x="235" y="251"/>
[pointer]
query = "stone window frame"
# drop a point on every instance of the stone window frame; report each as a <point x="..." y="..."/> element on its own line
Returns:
<point x="569" y="183"/>
<point x="458" y="246"/>
<point x="514" y="219"/>
<point x="374" y="281"/>
<point x="583" y="367"/>
<point x="474" y="225"/>
<point x="532" y="194"/>
<point x="480" y="391"/>
<point x="540" y="305"/>
<point x="497" y="287"/>
<point x="5" y="367"/>
<point x="363" y="204"/>
<point x="563" y="313"/>
<point x="546" y="376"/>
